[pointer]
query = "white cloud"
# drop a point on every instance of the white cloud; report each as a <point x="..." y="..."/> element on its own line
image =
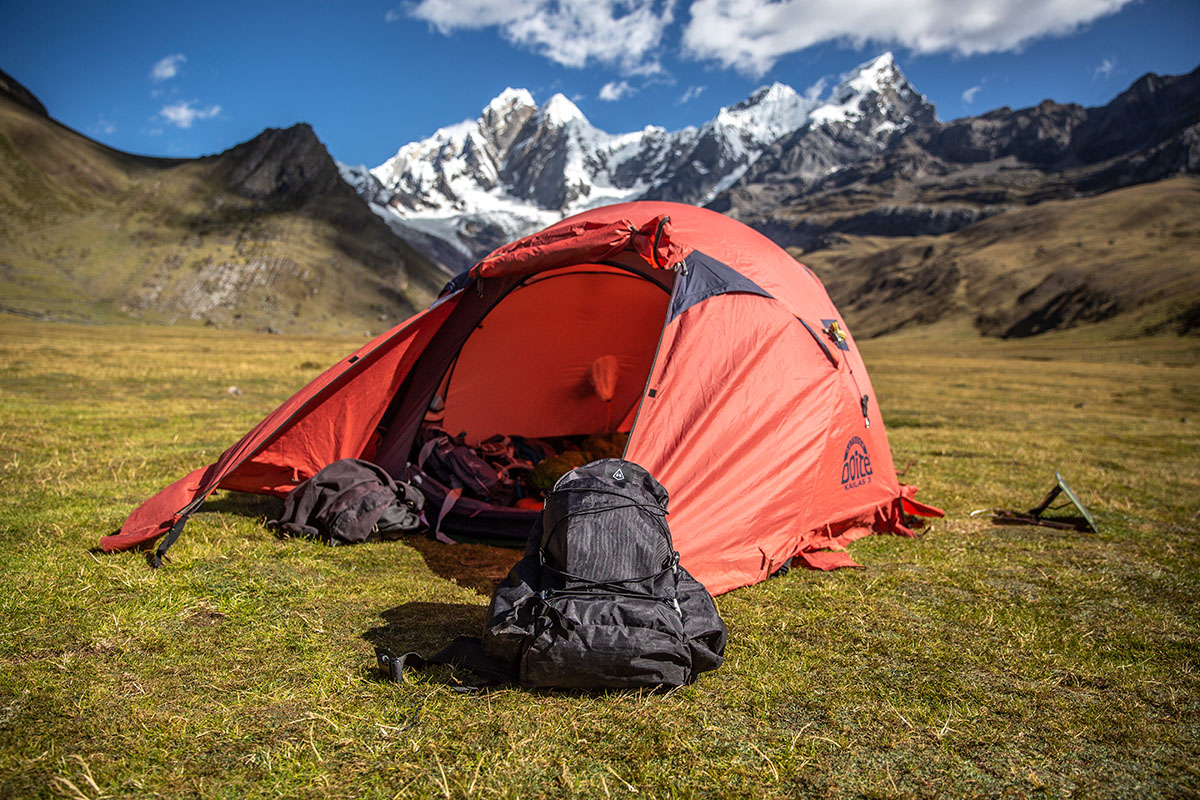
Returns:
<point x="1105" y="70"/>
<point x="623" y="34"/>
<point x="103" y="127"/>
<point x="614" y="90"/>
<point x="167" y="67"/>
<point x="182" y="114"/>
<point x="691" y="94"/>
<point x="751" y="35"/>
<point x="393" y="15"/>
<point x="968" y="95"/>
<point x="814" y="92"/>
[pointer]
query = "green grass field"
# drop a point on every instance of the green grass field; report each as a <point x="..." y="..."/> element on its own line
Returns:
<point x="973" y="661"/>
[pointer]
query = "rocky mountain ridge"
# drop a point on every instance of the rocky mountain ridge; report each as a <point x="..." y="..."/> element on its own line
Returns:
<point x="920" y="230"/>
<point x="1019" y="221"/>
<point x="776" y="160"/>
<point x="520" y="166"/>
<point x="936" y="177"/>
<point x="16" y="91"/>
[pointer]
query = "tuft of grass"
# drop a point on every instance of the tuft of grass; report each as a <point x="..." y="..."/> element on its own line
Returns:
<point x="973" y="661"/>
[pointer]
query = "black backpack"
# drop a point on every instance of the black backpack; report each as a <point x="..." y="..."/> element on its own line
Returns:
<point x="459" y="467"/>
<point x="599" y="600"/>
<point x="351" y="501"/>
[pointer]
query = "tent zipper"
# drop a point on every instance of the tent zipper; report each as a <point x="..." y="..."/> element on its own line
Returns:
<point x="864" y="400"/>
<point x="834" y="332"/>
<point x="680" y="269"/>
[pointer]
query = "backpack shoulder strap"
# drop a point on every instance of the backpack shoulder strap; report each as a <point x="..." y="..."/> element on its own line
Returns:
<point x="465" y="652"/>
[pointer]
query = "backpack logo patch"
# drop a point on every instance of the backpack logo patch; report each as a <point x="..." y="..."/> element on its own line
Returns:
<point x="856" y="464"/>
<point x="618" y="475"/>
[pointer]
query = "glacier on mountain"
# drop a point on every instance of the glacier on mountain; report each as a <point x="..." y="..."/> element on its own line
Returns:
<point x="519" y="167"/>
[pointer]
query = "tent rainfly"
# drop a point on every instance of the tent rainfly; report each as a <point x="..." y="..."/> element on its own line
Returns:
<point x="724" y="359"/>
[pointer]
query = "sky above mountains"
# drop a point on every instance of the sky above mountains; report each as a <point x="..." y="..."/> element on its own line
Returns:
<point x="180" y="79"/>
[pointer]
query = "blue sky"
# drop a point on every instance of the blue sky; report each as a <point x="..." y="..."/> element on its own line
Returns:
<point x="187" y="79"/>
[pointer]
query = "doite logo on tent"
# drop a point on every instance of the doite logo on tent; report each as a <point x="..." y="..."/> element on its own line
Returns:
<point x="618" y="475"/>
<point x="856" y="464"/>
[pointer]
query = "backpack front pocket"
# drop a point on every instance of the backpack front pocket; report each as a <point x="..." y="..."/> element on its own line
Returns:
<point x="605" y="641"/>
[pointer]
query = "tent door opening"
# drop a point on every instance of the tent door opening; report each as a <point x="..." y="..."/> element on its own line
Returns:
<point x="567" y="353"/>
<point x="564" y="353"/>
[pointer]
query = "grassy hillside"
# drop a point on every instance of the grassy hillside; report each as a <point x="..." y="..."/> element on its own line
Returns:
<point x="1129" y="256"/>
<point x="264" y="236"/>
<point x="973" y="661"/>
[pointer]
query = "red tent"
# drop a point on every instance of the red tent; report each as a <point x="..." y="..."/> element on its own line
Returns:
<point x="725" y="359"/>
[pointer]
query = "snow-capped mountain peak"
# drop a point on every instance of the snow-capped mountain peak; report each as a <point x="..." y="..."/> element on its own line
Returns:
<point x="873" y="75"/>
<point x="768" y="113"/>
<point x="509" y="100"/>
<point x="501" y="120"/>
<point x="775" y="93"/>
<point x="520" y="166"/>
<point x="876" y="94"/>
<point x="559" y="111"/>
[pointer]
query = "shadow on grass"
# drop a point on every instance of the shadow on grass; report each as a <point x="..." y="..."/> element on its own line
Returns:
<point x="477" y="566"/>
<point x="261" y="506"/>
<point x="424" y="627"/>
<point x="427" y="628"/>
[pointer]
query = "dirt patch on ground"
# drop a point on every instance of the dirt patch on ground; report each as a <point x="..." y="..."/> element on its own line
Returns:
<point x="204" y="616"/>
